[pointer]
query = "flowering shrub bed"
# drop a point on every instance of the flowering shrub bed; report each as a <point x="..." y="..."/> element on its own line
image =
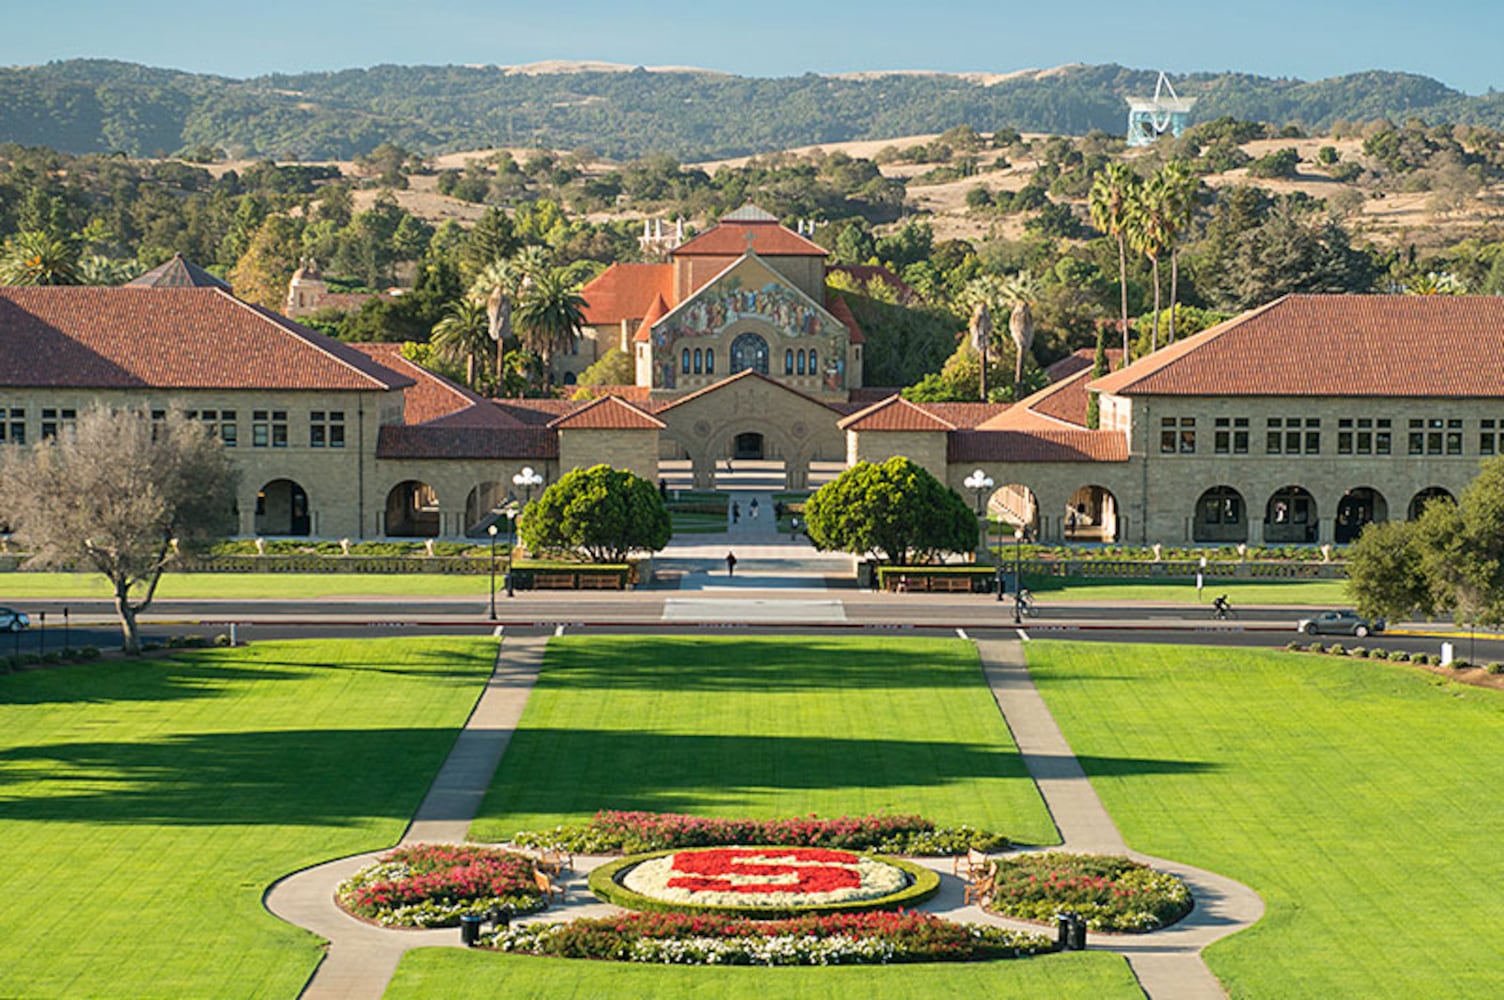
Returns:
<point x="841" y="939"/>
<point x="433" y="885"/>
<point x="636" y="832"/>
<point x="1110" y="893"/>
<point x="762" y="881"/>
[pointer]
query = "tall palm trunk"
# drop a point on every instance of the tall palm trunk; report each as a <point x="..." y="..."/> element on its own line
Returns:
<point x="1123" y="291"/>
<point x="1154" y="339"/>
<point x="1174" y="281"/>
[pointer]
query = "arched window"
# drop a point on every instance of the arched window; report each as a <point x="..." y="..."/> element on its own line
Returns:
<point x="799" y="362"/>
<point x="788" y="362"/>
<point x="814" y="367"/>
<point x="749" y="350"/>
<point x="710" y="361"/>
<point x="699" y="361"/>
<point x="684" y="361"/>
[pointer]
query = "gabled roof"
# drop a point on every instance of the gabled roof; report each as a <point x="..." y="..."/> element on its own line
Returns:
<point x="1066" y="445"/>
<point x="745" y="373"/>
<point x="1080" y="360"/>
<point x="179" y="272"/>
<point x="607" y="413"/>
<point x="624" y="291"/>
<point x="838" y="308"/>
<point x="735" y="236"/>
<point x="433" y="398"/>
<point x="656" y="311"/>
<point x="169" y="338"/>
<point x="894" y="414"/>
<point x="964" y="415"/>
<point x="1435" y="346"/>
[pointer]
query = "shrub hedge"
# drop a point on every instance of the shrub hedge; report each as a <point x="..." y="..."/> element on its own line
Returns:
<point x="1111" y="893"/>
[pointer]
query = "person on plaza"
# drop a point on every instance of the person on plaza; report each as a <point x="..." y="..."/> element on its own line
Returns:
<point x="736" y="512"/>
<point x="753" y="508"/>
<point x="730" y="563"/>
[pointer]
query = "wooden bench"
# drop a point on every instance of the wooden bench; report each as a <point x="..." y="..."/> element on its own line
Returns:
<point x="950" y="583"/>
<point x="600" y="581"/>
<point x="553" y="581"/>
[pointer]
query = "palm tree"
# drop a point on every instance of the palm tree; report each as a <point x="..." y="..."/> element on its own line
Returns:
<point x="1111" y="193"/>
<point x="463" y="333"/>
<point x="1148" y="231"/>
<point x="498" y="286"/>
<point x="1181" y="186"/>
<point x="549" y="316"/>
<point x="1020" y="290"/>
<point x="35" y="257"/>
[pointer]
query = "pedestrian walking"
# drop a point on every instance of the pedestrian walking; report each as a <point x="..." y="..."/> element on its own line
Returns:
<point x="730" y="563"/>
<point x="736" y="512"/>
<point x="753" y="508"/>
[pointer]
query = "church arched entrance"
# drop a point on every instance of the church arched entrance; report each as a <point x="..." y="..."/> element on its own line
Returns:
<point x="748" y="446"/>
<point x="749" y="351"/>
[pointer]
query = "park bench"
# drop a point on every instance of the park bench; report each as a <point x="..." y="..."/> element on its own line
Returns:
<point x="553" y="581"/>
<point x="600" y="581"/>
<point x="950" y="583"/>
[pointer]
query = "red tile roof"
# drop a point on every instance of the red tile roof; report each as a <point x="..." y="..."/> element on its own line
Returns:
<point x="964" y="415"/>
<point x="1435" y="346"/>
<point x="964" y="447"/>
<point x="429" y="441"/>
<point x="178" y="272"/>
<point x="1079" y="361"/>
<point x="607" y="413"/>
<point x="656" y="311"/>
<point x="169" y="338"/>
<point x="732" y="239"/>
<point x="537" y="412"/>
<point x="433" y="397"/>
<point x="894" y="414"/>
<point x="639" y="394"/>
<point x="841" y="311"/>
<point x="624" y="291"/>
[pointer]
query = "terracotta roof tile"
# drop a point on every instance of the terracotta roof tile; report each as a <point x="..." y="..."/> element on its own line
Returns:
<point x="431" y="442"/>
<point x="656" y="311"/>
<point x="179" y="272"/>
<point x="607" y="413"/>
<point x="964" y="415"/>
<point x="1436" y="346"/>
<point x="964" y="447"/>
<point x="537" y="412"/>
<point x="732" y="239"/>
<point x="433" y="397"/>
<point x="895" y="414"/>
<point x="625" y="291"/>
<point x="170" y="338"/>
<point x="841" y="311"/>
<point x="638" y="394"/>
<point x="1079" y="361"/>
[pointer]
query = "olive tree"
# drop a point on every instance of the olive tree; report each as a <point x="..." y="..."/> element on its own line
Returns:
<point x="602" y="512"/>
<point x="122" y="493"/>
<point x="895" y="511"/>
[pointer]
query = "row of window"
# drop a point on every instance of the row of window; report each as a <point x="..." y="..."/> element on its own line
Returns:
<point x="1355" y="436"/>
<point x="326" y="428"/>
<point x="702" y="360"/>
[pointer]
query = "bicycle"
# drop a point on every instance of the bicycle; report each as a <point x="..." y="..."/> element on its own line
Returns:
<point x="1222" y="611"/>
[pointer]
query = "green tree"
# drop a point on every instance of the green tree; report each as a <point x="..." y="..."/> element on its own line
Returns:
<point x="36" y="257"/>
<point x="1180" y="187"/>
<point x="615" y="367"/>
<point x="1112" y="194"/>
<point x="1150" y="233"/>
<point x="895" y="511"/>
<point x="1386" y="572"/>
<point x="549" y="315"/>
<point x="123" y="493"/>
<point x="605" y="513"/>
<point x="462" y="336"/>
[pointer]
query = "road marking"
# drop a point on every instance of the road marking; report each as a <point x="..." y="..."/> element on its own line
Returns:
<point x="559" y="631"/>
<point x="962" y="633"/>
<point x="1022" y="634"/>
<point x="497" y="632"/>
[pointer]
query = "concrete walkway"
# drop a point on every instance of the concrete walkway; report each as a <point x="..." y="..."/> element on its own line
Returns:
<point x="1168" y="962"/>
<point x="363" y="958"/>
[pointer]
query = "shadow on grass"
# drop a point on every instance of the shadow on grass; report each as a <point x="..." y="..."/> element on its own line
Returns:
<point x="580" y="771"/>
<point x="335" y="777"/>
<point x="761" y="665"/>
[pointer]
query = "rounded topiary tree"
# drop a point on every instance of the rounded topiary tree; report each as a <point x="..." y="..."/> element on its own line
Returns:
<point x="895" y="510"/>
<point x="602" y="512"/>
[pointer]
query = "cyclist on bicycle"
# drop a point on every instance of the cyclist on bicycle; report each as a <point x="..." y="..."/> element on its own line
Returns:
<point x="1220" y="607"/>
<point x="1025" y="601"/>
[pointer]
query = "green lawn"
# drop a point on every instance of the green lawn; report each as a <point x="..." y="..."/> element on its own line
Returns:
<point x="291" y="586"/>
<point x="1360" y="799"/>
<point x="688" y="522"/>
<point x="435" y="972"/>
<point x="1240" y="593"/>
<point x="762" y="727"/>
<point x="146" y="806"/>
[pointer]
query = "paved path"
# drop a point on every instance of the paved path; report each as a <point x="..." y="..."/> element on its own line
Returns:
<point x="362" y="958"/>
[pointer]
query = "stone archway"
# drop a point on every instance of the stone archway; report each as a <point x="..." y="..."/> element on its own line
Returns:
<point x="481" y="503"/>
<point x="1291" y="516"/>
<point x="1091" y="515"/>
<point x="1357" y="509"/>
<point x="412" y="510"/>
<point x="1014" y="505"/>
<point x="1221" y="516"/>
<point x="282" y="509"/>
<point x="1425" y="496"/>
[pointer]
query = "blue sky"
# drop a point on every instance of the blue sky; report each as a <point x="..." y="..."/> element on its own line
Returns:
<point x="1455" y="41"/>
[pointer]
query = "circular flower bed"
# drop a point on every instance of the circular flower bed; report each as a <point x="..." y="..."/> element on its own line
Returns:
<point x="433" y="885"/>
<point x="711" y="939"/>
<point x="762" y="881"/>
<point x="1110" y="893"/>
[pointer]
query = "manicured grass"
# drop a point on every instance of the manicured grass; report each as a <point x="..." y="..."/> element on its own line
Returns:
<point x="762" y="727"/>
<point x="289" y="586"/>
<point x="1360" y="799"/>
<point x="693" y="523"/>
<point x="1240" y="593"/>
<point x="146" y="806"/>
<point x="437" y="972"/>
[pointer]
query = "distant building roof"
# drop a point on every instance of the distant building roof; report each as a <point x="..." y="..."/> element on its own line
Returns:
<point x="607" y="413"/>
<point x="433" y="398"/>
<point x="1065" y="445"/>
<point x="862" y="274"/>
<point x="624" y="291"/>
<point x="169" y="338"/>
<point x="895" y="414"/>
<point x="179" y="272"/>
<point x="429" y="441"/>
<point x="749" y="228"/>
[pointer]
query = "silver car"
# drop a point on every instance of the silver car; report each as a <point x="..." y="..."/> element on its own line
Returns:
<point x="1340" y="623"/>
<point x="12" y="620"/>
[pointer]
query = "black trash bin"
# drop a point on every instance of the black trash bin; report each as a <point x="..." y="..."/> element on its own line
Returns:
<point x="1070" y="932"/>
<point x="470" y="929"/>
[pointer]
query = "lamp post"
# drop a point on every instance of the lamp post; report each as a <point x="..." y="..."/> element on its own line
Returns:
<point x="981" y="483"/>
<point x="526" y="479"/>
<point x="511" y="546"/>
<point x="491" y="530"/>
<point x="1018" y="575"/>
